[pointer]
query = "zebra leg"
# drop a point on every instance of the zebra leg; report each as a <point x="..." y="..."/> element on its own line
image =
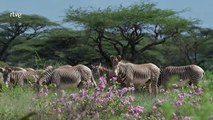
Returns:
<point x="193" y="83"/>
<point x="148" y="86"/>
<point x="154" y="86"/>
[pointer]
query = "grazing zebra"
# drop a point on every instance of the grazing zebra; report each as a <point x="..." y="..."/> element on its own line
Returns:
<point x="68" y="76"/>
<point x="19" y="77"/>
<point x="189" y="73"/>
<point x="46" y="76"/>
<point x="13" y="68"/>
<point x="131" y="74"/>
<point x="103" y="71"/>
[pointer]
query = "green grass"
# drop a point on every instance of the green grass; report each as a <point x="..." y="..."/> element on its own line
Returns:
<point x="17" y="102"/>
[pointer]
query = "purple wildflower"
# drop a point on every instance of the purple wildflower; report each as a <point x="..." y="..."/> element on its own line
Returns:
<point x="108" y="94"/>
<point x="187" y="118"/>
<point x="83" y="93"/>
<point x="114" y="78"/>
<point x="132" y="98"/>
<point x="74" y="96"/>
<point x="126" y="102"/>
<point x="102" y="79"/>
<point x="179" y="103"/>
<point x="102" y="83"/>
<point x="136" y="110"/>
<point x="199" y="91"/>
<point x="181" y="96"/>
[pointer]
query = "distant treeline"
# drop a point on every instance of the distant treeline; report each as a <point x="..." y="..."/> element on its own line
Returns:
<point x="140" y="33"/>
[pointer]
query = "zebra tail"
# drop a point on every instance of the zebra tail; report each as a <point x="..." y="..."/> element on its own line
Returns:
<point x="93" y="80"/>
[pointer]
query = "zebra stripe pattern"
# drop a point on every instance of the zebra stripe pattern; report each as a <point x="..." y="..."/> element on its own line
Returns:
<point x="136" y="75"/>
<point x="190" y="73"/>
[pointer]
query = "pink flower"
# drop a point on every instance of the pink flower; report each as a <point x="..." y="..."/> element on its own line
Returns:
<point x="102" y="79"/>
<point x="83" y="93"/>
<point x="102" y="83"/>
<point x="59" y="110"/>
<point x="114" y="78"/>
<point x="187" y="118"/>
<point x="136" y="110"/>
<point x="175" y="118"/>
<point x="74" y="96"/>
<point x="181" y="96"/>
<point x="132" y="98"/>
<point x="179" y="103"/>
<point x="126" y="102"/>
<point x="108" y="94"/>
<point x="131" y="88"/>
<point x="199" y="91"/>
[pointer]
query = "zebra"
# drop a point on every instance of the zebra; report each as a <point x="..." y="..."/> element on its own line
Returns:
<point x="136" y="75"/>
<point x="45" y="76"/>
<point x="1" y="75"/>
<point x="19" y="77"/>
<point x="14" y="68"/>
<point x="47" y="73"/>
<point x="190" y="74"/>
<point x="104" y="71"/>
<point x="67" y="76"/>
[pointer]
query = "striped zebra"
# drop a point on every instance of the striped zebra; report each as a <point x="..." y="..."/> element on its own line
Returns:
<point x="20" y="77"/>
<point x="14" y="68"/>
<point x="68" y="76"/>
<point x="104" y="71"/>
<point x="136" y="75"/>
<point x="1" y="75"/>
<point x="46" y="76"/>
<point x="190" y="74"/>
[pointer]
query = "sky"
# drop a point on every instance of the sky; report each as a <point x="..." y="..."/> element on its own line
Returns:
<point x="55" y="9"/>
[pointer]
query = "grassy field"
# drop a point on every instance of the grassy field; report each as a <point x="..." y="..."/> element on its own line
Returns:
<point x="109" y="103"/>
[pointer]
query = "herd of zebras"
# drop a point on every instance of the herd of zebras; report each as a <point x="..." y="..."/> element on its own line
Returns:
<point x="128" y="74"/>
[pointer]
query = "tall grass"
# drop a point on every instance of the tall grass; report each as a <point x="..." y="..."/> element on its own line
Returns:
<point x="177" y="104"/>
<point x="17" y="102"/>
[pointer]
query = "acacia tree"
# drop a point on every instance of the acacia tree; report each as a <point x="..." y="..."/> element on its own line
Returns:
<point x="195" y="45"/>
<point x="129" y="31"/>
<point x="26" y="27"/>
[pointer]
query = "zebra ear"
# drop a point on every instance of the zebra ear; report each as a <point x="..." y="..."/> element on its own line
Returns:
<point x="113" y="58"/>
<point x="49" y="67"/>
<point x="119" y="57"/>
<point x="9" y="70"/>
<point x="1" y="70"/>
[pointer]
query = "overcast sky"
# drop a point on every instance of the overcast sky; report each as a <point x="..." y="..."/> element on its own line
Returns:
<point x="55" y="9"/>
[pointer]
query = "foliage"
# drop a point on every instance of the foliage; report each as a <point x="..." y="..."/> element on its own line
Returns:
<point x="129" y="31"/>
<point x="140" y="33"/>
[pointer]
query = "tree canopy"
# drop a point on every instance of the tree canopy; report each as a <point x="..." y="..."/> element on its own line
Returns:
<point x="140" y="33"/>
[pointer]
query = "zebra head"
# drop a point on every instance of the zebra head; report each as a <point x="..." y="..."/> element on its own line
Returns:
<point x="6" y="74"/>
<point x="119" y="68"/>
<point x="115" y="59"/>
